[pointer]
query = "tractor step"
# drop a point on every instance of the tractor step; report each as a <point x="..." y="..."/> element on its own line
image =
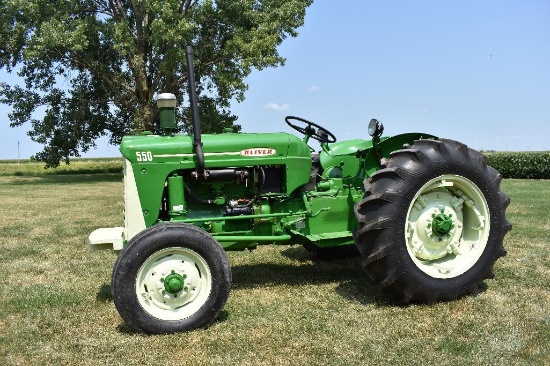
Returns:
<point x="107" y="238"/>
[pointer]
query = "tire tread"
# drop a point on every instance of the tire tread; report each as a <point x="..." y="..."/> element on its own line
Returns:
<point x="376" y="235"/>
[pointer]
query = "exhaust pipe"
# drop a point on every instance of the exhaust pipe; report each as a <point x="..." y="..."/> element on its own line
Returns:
<point x="197" y="143"/>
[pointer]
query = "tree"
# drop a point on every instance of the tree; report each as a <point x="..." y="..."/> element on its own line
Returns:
<point x="95" y="66"/>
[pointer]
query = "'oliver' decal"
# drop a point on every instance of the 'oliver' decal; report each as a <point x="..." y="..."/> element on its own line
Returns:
<point x="258" y="151"/>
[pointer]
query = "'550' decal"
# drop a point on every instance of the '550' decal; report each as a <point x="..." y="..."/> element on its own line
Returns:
<point x="144" y="156"/>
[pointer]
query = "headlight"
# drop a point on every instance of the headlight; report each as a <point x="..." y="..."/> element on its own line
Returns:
<point x="375" y="128"/>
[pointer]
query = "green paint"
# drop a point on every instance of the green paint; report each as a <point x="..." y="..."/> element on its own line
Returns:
<point x="343" y="155"/>
<point x="442" y="225"/>
<point x="386" y="145"/>
<point x="173" y="283"/>
<point x="252" y="238"/>
<point x="259" y="195"/>
<point x="176" y="200"/>
<point x="167" y="118"/>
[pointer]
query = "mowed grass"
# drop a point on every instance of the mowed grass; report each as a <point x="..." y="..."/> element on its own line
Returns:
<point x="32" y="168"/>
<point x="285" y="308"/>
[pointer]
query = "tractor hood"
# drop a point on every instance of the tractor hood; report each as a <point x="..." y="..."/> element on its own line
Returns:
<point x="220" y="150"/>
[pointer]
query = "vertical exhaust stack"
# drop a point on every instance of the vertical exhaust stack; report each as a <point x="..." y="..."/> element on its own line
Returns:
<point x="194" y="104"/>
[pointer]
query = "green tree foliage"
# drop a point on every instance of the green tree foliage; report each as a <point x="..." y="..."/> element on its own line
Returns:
<point x="521" y="165"/>
<point x="95" y="66"/>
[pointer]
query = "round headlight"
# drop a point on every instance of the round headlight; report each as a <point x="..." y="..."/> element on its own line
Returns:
<point x="375" y="128"/>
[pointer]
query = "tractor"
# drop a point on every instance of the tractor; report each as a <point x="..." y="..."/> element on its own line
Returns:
<point x="426" y="214"/>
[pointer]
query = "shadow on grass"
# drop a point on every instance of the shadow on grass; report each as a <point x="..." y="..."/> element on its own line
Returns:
<point x="222" y="317"/>
<point x="343" y="268"/>
<point x="354" y="283"/>
<point x="104" y="293"/>
<point x="68" y="179"/>
<point x="124" y="328"/>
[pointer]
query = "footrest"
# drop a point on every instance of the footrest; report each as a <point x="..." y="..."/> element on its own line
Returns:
<point x="106" y="238"/>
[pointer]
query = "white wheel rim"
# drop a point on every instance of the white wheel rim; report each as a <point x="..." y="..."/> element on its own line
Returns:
<point x="178" y="304"/>
<point x="447" y="226"/>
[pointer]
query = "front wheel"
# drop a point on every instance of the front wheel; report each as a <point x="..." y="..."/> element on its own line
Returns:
<point x="432" y="222"/>
<point x="171" y="278"/>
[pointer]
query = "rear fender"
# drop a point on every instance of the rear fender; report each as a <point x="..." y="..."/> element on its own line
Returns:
<point x="386" y="146"/>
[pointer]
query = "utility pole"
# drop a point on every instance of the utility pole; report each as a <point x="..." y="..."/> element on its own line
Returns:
<point x="18" y="152"/>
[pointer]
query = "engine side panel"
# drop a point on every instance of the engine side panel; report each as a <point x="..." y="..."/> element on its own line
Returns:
<point x="284" y="159"/>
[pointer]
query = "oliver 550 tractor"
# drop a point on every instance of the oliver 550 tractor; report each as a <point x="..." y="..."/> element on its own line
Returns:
<point x="426" y="214"/>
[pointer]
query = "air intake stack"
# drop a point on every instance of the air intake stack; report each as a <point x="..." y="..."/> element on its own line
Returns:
<point x="166" y="103"/>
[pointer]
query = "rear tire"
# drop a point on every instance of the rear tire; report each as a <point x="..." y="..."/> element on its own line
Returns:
<point x="432" y="222"/>
<point x="171" y="278"/>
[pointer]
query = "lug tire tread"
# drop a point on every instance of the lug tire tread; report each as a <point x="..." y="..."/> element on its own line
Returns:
<point x="145" y="244"/>
<point x="381" y="217"/>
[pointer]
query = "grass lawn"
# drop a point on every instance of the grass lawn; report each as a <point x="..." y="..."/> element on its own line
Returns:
<point x="27" y="167"/>
<point x="285" y="307"/>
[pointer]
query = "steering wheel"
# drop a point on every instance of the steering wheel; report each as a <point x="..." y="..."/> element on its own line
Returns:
<point x="321" y="134"/>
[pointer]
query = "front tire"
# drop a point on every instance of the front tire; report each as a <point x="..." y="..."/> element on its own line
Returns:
<point x="171" y="278"/>
<point x="432" y="222"/>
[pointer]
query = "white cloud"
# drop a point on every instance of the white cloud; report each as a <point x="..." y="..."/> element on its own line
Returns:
<point x="277" y="107"/>
<point x="313" y="89"/>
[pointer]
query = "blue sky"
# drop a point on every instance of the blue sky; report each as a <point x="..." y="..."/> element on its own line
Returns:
<point x="474" y="71"/>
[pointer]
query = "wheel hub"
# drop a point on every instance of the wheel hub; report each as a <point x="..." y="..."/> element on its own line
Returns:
<point x="435" y="226"/>
<point x="173" y="283"/>
<point x="170" y="281"/>
<point x="447" y="226"/>
<point x="442" y="225"/>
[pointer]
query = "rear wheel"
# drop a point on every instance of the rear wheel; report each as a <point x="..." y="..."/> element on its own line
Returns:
<point x="171" y="278"/>
<point x="432" y="222"/>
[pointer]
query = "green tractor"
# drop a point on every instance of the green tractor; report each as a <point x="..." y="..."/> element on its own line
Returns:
<point x="426" y="215"/>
